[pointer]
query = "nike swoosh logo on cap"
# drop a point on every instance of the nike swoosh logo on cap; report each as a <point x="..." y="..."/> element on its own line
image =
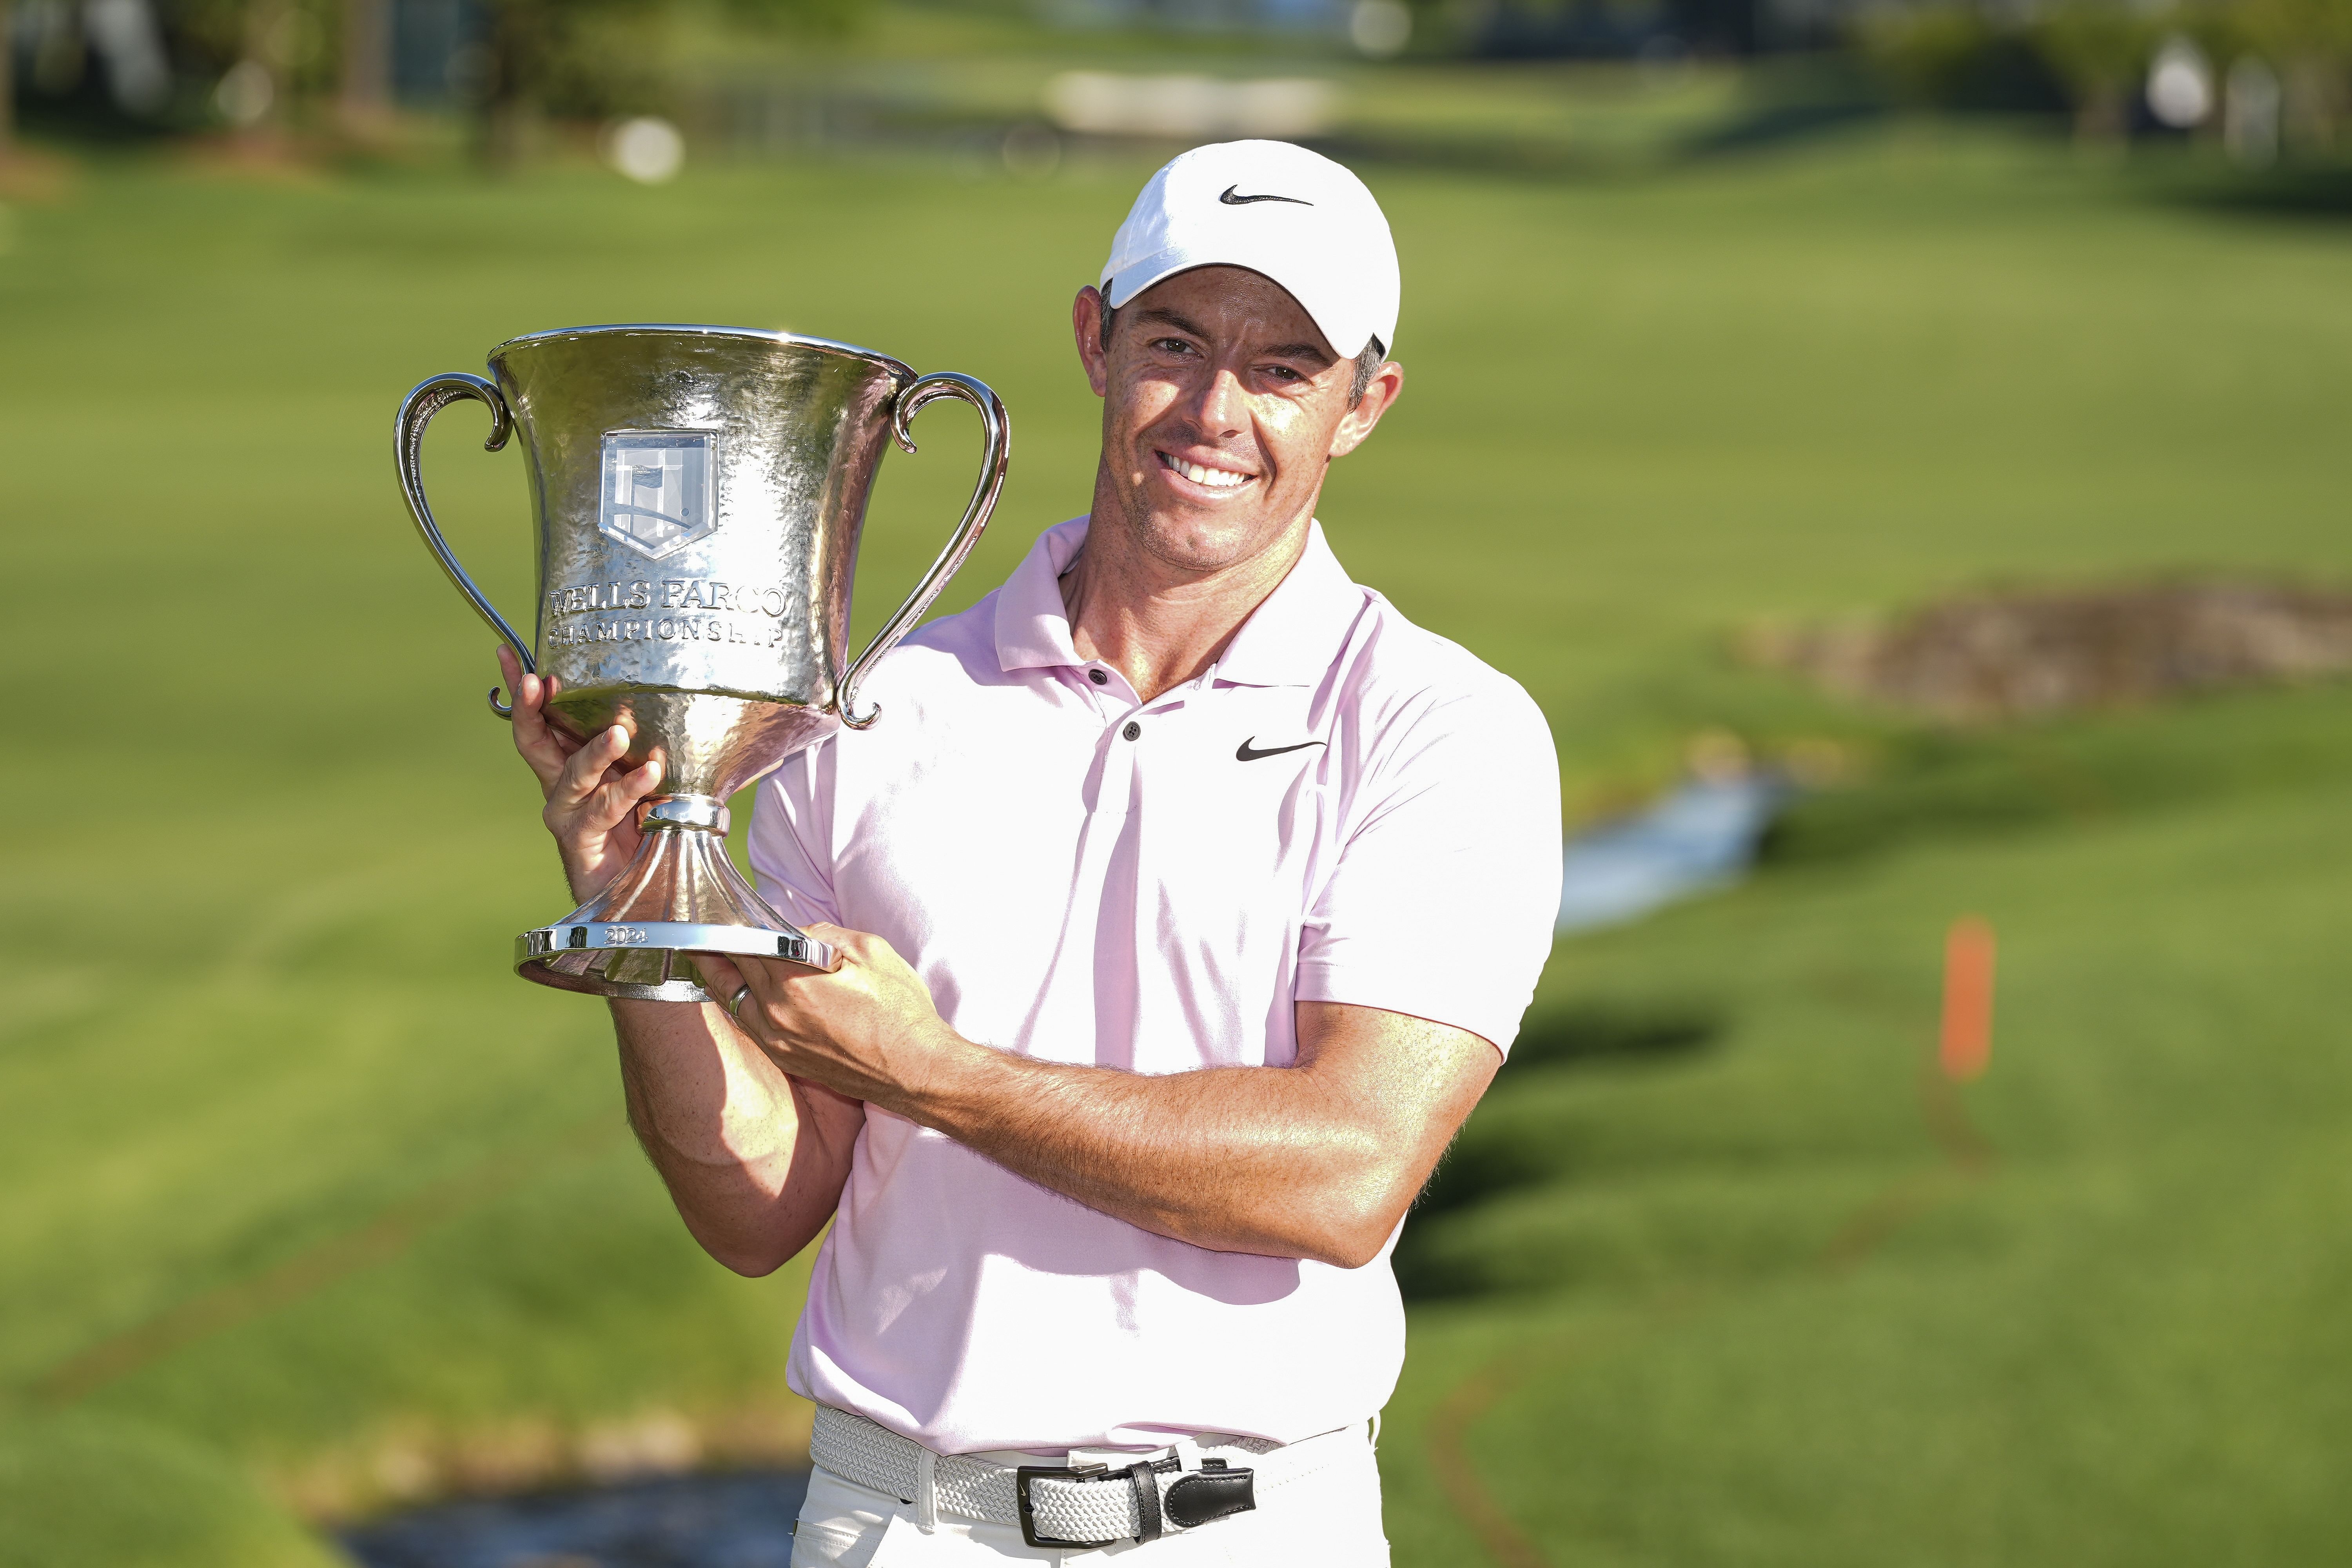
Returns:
<point x="1230" y="200"/>
<point x="1246" y="754"/>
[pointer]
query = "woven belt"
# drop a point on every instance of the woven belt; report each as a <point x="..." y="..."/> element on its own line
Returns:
<point x="1071" y="1505"/>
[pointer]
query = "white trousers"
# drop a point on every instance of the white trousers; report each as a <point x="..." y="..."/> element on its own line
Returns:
<point x="1330" y="1518"/>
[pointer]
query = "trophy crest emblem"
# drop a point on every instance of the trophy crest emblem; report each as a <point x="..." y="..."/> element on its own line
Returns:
<point x="656" y="491"/>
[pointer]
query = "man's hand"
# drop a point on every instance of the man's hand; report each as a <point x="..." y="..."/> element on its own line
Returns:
<point x="868" y="1030"/>
<point x="592" y="800"/>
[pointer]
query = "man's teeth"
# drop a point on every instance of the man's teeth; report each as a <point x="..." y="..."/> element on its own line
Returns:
<point x="1215" y="478"/>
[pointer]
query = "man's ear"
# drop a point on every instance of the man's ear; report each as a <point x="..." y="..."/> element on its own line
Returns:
<point x="1386" y="386"/>
<point x="1086" y="313"/>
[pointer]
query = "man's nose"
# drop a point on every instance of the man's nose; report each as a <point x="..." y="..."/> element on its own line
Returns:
<point x="1224" y="403"/>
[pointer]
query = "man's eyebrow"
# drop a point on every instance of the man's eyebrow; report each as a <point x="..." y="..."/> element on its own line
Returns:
<point x="1170" y="318"/>
<point x="1300" y="351"/>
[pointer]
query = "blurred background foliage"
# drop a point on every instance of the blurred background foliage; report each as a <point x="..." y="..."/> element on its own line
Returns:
<point x="2261" y="80"/>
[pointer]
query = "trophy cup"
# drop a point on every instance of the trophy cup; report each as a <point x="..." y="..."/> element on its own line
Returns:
<point x="698" y="491"/>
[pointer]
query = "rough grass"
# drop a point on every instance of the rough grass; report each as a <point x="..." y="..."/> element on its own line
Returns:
<point x="1751" y="1313"/>
<point x="297" y="1176"/>
<point x="81" y="1493"/>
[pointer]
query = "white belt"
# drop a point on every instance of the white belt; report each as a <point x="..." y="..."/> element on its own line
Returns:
<point x="1069" y="1506"/>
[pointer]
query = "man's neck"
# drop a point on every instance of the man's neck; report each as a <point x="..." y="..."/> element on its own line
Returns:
<point x="1158" y="624"/>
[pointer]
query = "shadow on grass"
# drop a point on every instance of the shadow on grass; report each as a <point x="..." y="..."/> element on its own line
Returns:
<point x="1590" y="1035"/>
<point x="1776" y="125"/>
<point x="2311" y="192"/>
<point x="1492" y="1156"/>
<point x="1929" y="784"/>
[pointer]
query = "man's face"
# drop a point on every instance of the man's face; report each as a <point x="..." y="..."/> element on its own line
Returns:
<point x="1222" y="406"/>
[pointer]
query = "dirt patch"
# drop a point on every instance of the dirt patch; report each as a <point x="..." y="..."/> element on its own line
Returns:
<point x="1992" y="656"/>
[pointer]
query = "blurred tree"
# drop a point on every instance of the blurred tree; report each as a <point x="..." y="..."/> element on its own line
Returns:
<point x="363" y="96"/>
<point x="2101" y="47"/>
<point x="572" y="57"/>
<point x="823" y="18"/>
<point x="1957" y="56"/>
<point x="592" y="59"/>
<point x="2310" y="42"/>
<point x="8" y="82"/>
<point x="268" y="59"/>
<point x="1985" y="54"/>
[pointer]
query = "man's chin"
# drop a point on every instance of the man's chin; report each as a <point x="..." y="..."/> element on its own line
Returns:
<point x="1205" y="545"/>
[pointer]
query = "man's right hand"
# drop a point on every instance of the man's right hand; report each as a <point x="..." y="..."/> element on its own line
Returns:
<point x="592" y="800"/>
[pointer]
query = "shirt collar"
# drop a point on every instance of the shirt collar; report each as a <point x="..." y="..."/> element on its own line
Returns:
<point x="1292" y="638"/>
<point x="1289" y="639"/>
<point x="1032" y="627"/>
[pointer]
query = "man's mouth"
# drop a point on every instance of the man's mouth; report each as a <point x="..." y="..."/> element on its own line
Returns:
<point x="1203" y="474"/>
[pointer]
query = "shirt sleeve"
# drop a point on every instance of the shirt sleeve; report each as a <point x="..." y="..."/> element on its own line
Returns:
<point x="1444" y="898"/>
<point x="791" y="841"/>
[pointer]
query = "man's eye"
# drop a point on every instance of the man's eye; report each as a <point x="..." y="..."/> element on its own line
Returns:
<point x="1283" y="373"/>
<point x="1172" y="346"/>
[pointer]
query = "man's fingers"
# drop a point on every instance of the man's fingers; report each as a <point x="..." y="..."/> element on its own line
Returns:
<point x="549" y="686"/>
<point x="542" y="745"/>
<point x="617" y="798"/>
<point x="719" y="977"/>
<point x="526" y="692"/>
<point x="848" y="946"/>
<point x="583" y="773"/>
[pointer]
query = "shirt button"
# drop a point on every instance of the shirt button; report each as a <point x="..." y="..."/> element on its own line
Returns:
<point x="1133" y="731"/>
<point x="1100" y="678"/>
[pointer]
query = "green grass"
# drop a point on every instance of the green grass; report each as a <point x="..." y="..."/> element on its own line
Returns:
<point x="301" y="1180"/>
<point x="2123" y="1344"/>
<point x="79" y="1493"/>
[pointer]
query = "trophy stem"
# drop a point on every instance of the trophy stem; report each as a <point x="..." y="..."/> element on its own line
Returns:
<point x="681" y="894"/>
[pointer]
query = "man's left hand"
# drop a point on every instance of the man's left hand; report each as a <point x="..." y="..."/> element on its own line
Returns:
<point x="867" y="1029"/>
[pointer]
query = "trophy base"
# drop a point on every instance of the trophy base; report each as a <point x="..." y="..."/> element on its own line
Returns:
<point x="681" y="895"/>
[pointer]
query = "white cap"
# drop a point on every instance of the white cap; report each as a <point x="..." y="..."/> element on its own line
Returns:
<point x="1292" y="214"/>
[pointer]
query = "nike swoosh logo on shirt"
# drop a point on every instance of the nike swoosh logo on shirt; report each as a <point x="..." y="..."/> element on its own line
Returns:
<point x="1246" y="754"/>
<point x="1230" y="200"/>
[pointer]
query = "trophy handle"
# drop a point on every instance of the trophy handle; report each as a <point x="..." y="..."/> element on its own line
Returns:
<point x="997" y="432"/>
<point x="425" y="399"/>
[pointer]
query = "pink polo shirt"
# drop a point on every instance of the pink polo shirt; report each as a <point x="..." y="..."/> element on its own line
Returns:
<point x="1346" y="808"/>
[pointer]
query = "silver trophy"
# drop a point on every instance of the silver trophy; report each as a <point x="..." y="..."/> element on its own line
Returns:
<point x="700" y="491"/>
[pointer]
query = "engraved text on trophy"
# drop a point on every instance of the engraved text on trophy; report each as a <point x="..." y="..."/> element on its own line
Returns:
<point x="749" y="613"/>
<point x="656" y="495"/>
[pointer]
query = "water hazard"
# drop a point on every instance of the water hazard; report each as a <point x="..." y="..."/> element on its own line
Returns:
<point x="734" y="1519"/>
<point x="1703" y="835"/>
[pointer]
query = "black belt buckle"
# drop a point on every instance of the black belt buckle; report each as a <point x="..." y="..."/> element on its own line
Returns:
<point x="1024" y="1475"/>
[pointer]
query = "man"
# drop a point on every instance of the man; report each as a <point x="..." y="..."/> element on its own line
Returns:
<point x="1188" y="897"/>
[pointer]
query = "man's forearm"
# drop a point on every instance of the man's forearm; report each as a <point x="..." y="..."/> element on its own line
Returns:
<point x="755" y="1165"/>
<point x="1300" y="1161"/>
<point x="1234" y="1159"/>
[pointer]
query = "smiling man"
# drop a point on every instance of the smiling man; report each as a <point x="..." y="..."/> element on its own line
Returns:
<point x="1189" y="896"/>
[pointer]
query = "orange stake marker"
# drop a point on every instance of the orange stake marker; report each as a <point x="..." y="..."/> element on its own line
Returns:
<point x="1966" y="1046"/>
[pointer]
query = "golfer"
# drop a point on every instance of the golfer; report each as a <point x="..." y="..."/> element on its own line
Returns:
<point x="1188" y="897"/>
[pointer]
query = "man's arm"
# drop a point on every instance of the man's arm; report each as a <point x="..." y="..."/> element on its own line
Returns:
<point x="1318" y="1159"/>
<point x="754" y="1158"/>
